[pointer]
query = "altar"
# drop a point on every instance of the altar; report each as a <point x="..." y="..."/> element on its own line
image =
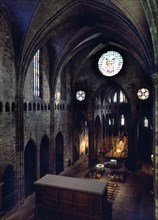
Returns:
<point x="70" y="198"/>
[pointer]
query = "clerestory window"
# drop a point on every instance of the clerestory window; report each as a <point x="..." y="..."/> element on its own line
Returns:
<point x="36" y="74"/>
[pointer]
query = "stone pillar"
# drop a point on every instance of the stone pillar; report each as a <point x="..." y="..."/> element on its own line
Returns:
<point x="91" y="124"/>
<point x="92" y="154"/>
<point x="132" y="139"/>
<point x="19" y="183"/>
<point x="52" y="138"/>
<point x="155" y="141"/>
<point x="101" y="139"/>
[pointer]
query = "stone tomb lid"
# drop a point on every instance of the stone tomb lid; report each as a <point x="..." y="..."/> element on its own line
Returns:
<point x="72" y="183"/>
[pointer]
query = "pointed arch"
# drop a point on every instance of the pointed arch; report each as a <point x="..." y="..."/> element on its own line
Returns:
<point x="8" y="190"/>
<point x="81" y="136"/>
<point x="98" y="134"/>
<point x="30" y="159"/>
<point x="144" y="137"/>
<point x="44" y="156"/>
<point x="103" y="118"/>
<point x="7" y="107"/>
<point x="59" y="149"/>
<point x="1" y="107"/>
<point x="77" y="148"/>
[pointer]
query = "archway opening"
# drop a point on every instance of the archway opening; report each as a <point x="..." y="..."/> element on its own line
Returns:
<point x="8" y="189"/>
<point x="81" y="140"/>
<point x="30" y="156"/>
<point x="44" y="156"/>
<point x="59" y="153"/>
<point x="144" y="139"/>
<point x="115" y="123"/>
<point x="98" y="138"/>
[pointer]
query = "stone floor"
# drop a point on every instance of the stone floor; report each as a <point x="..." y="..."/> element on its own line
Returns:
<point x="132" y="200"/>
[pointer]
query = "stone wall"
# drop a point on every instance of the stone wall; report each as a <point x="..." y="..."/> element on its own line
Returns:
<point x="62" y="115"/>
<point x="37" y="119"/>
<point x="7" y="93"/>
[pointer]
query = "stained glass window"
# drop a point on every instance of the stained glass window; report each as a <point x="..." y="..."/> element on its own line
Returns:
<point x="143" y="93"/>
<point x="122" y="97"/>
<point x="115" y="97"/>
<point x="36" y="71"/>
<point x="80" y="95"/>
<point x="109" y="99"/>
<point x="110" y="63"/>
<point x="146" y="122"/>
<point x="109" y="121"/>
<point x="122" y="120"/>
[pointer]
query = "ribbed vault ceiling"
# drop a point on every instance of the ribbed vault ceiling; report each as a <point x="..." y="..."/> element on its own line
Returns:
<point x="71" y="26"/>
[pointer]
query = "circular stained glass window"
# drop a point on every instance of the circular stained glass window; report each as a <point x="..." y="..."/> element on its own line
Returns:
<point x="143" y="93"/>
<point x="80" y="95"/>
<point x="110" y="63"/>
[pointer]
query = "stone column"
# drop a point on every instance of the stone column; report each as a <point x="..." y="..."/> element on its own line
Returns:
<point x="19" y="150"/>
<point x="91" y="125"/>
<point x="132" y="138"/>
<point x="101" y="138"/>
<point x="52" y="138"/>
<point x="155" y="140"/>
<point x="92" y="153"/>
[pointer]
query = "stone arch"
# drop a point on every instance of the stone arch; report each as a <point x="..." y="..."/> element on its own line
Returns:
<point x="30" y="159"/>
<point x="42" y="107"/>
<point x="59" y="149"/>
<point x="58" y="106"/>
<point x="13" y="106"/>
<point x="34" y="106"/>
<point x="77" y="148"/>
<point x="8" y="189"/>
<point x="38" y="106"/>
<point x="144" y="138"/>
<point x="30" y="107"/>
<point x="25" y="106"/>
<point x="117" y="116"/>
<point x="45" y="106"/>
<point x="44" y="156"/>
<point x="48" y="106"/>
<point x="103" y="126"/>
<point x="7" y="107"/>
<point x="1" y="107"/>
<point x="81" y="136"/>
